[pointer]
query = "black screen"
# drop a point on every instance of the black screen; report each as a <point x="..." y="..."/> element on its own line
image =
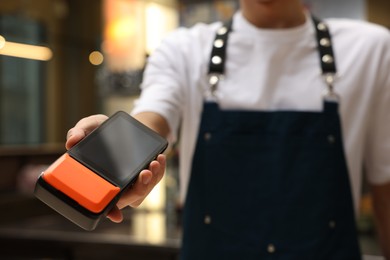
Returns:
<point x="119" y="149"/>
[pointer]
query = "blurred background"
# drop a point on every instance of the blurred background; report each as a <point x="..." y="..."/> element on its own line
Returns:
<point x="61" y="60"/>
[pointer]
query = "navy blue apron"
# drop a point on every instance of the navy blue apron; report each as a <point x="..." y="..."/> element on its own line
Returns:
<point x="270" y="185"/>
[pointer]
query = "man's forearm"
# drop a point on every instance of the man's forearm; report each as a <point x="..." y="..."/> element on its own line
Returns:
<point x="154" y="121"/>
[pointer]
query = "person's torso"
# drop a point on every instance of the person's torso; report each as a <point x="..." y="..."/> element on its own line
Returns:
<point x="277" y="71"/>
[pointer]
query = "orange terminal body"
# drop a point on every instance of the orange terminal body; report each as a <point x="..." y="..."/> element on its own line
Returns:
<point x="80" y="184"/>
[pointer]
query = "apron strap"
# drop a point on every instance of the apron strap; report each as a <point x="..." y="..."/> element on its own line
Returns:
<point x="218" y="55"/>
<point x="325" y="49"/>
<point x="324" y="45"/>
<point x="327" y="58"/>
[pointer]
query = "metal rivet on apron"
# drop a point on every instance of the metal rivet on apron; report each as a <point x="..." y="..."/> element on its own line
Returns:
<point x="321" y="27"/>
<point x="218" y="43"/>
<point x="222" y="31"/>
<point x="271" y="248"/>
<point x="325" y="42"/>
<point x="332" y="224"/>
<point x="207" y="220"/>
<point x="216" y="60"/>
<point x="331" y="139"/>
<point x="213" y="80"/>
<point x="207" y="136"/>
<point x="327" y="58"/>
<point x="329" y="78"/>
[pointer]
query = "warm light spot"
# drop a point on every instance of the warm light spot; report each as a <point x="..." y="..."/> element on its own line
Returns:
<point x="25" y="51"/>
<point x="121" y="28"/>
<point x="96" y="58"/>
<point x="159" y="20"/>
<point x="2" y="42"/>
<point x="149" y="226"/>
<point x="154" y="20"/>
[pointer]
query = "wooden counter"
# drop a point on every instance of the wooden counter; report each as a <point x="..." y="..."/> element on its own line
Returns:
<point x="30" y="230"/>
<point x="13" y="159"/>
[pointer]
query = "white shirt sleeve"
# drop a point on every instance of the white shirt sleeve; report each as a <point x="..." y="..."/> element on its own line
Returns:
<point x="377" y="149"/>
<point x="163" y="81"/>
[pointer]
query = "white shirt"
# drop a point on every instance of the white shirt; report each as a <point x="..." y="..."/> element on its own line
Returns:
<point x="278" y="69"/>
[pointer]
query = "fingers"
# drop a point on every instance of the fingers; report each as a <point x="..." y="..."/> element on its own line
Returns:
<point x="144" y="184"/>
<point x="74" y="136"/>
<point x="162" y="160"/>
<point x="83" y="128"/>
<point x="115" y="215"/>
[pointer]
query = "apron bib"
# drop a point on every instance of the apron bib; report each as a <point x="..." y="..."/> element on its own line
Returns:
<point x="269" y="185"/>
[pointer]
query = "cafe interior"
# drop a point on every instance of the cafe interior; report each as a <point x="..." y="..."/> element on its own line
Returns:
<point x="62" y="60"/>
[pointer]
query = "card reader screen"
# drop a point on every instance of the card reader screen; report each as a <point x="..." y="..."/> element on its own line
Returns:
<point x="119" y="149"/>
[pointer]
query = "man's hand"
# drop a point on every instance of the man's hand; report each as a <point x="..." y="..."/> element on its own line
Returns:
<point x="83" y="128"/>
<point x="146" y="181"/>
